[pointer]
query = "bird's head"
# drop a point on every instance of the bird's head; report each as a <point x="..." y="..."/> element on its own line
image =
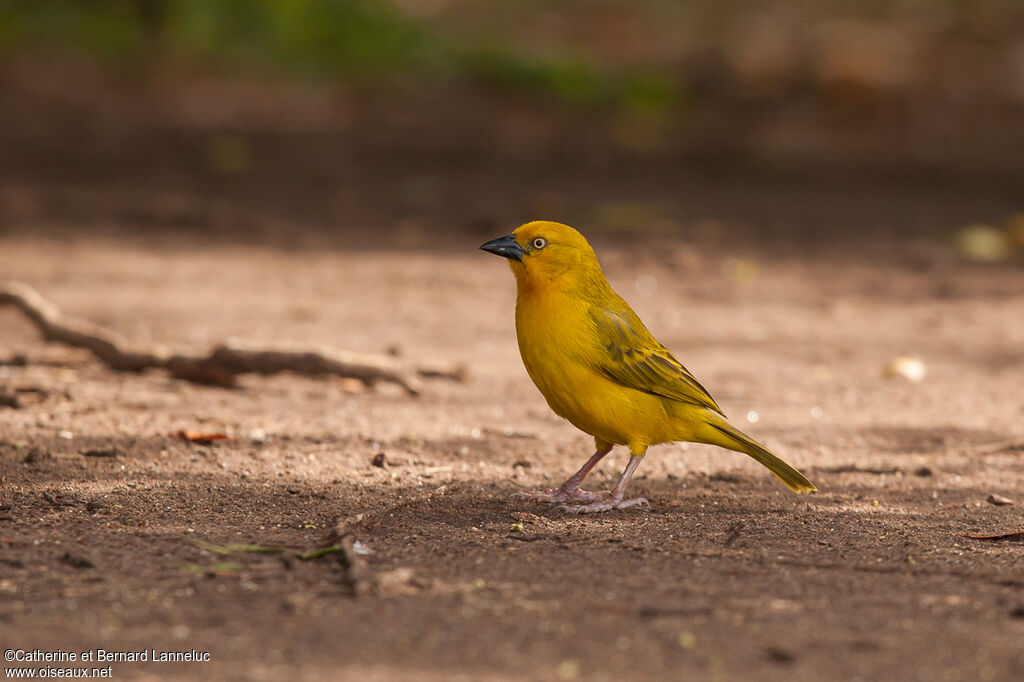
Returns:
<point x="544" y="254"/>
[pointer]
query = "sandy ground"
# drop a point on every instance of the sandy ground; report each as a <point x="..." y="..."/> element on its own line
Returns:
<point x="727" y="576"/>
<point x="785" y="285"/>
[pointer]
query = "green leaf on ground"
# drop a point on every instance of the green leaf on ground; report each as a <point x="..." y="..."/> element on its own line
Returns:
<point x="240" y="548"/>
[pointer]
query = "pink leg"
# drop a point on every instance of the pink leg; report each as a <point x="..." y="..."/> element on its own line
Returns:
<point x="570" y="490"/>
<point x="615" y="500"/>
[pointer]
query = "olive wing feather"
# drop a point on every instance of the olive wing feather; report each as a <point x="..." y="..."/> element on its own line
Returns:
<point x="634" y="358"/>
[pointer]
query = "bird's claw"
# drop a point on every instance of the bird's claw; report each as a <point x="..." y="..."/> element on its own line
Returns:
<point x="604" y="505"/>
<point x="560" y="495"/>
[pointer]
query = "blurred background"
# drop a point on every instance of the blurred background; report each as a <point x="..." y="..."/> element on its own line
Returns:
<point x="808" y="125"/>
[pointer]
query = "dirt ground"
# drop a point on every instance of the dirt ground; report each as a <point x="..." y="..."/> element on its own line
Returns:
<point x="785" y="295"/>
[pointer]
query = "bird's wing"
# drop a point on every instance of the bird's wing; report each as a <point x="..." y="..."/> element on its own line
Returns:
<point x="634" y="358"/>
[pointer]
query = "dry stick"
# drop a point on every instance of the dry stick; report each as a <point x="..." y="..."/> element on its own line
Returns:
<point x="221" y="366"/>
<point x="355" y="571"/>
<point x="999" y="446"/>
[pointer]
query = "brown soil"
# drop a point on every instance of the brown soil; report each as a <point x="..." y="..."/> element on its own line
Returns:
<point x="784" y="296"/>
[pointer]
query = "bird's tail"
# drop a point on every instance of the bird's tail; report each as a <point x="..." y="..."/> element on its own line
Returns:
<point x="722" y="433"/>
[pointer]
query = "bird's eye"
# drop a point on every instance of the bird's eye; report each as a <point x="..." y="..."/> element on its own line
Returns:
<point x="539" y="243"/>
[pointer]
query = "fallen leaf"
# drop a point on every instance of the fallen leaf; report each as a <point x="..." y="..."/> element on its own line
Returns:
<point x="200" y="437"/>
<point x="998" y="500"/>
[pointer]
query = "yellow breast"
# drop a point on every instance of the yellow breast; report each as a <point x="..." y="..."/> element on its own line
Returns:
<point x="559" y="346"/>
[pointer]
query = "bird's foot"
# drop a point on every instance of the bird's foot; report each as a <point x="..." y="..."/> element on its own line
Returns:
<point x="562" y="494"/>
<point x="603" y="505"/>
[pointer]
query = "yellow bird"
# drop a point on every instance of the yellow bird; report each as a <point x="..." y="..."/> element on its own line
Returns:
<point x="598" y="366"/>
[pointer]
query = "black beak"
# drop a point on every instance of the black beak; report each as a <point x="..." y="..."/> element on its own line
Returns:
<point x="505" y="246"/>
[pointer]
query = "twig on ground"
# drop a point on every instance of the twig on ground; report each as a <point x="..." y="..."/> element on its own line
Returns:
<point x="854" y="469"/>
<point x="225" y="362"/>
<point x="1010" y="535"/>
<point x="356" y="572"/>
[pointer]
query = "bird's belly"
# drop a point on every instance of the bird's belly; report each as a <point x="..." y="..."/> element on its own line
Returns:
<point x="553" y="342"/>
<point x="602" y="407"/>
